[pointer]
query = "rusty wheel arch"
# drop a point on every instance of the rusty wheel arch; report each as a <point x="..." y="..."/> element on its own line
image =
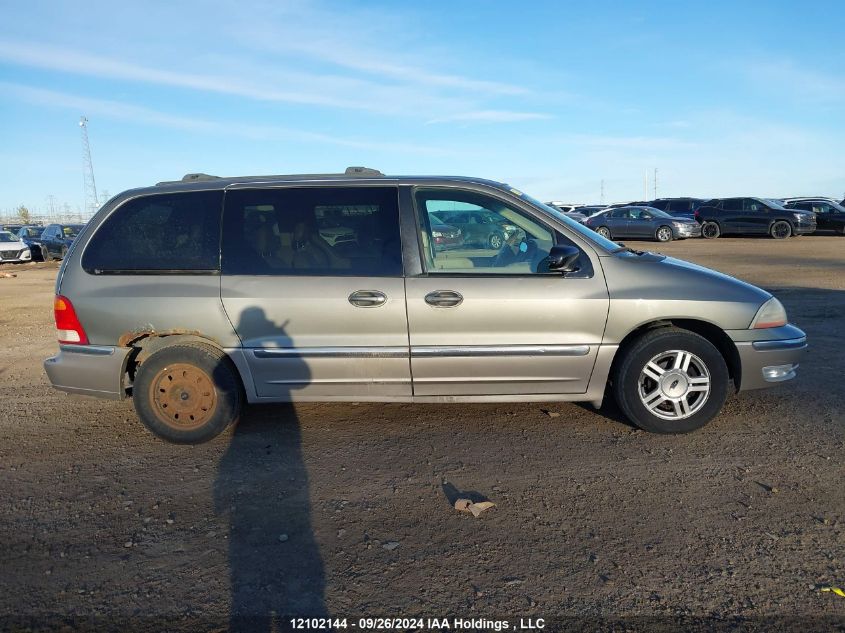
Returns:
<point x="146" y="343"/>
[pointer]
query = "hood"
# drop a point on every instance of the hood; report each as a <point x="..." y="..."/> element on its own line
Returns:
<point x="653" y="276"/>
<point x="683" y="220"/>
<point x="12" y="246"/>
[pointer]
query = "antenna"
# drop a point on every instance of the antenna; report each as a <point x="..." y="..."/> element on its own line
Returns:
<point x="90" y="187"/>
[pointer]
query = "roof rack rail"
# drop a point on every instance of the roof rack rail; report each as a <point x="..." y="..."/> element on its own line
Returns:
<point x="193" y="177"/>
<point x="362" y="171"/>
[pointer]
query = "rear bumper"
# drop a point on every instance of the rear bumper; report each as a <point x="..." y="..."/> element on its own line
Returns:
<point x="90" y="370"/>
<point x="766" y="363"/>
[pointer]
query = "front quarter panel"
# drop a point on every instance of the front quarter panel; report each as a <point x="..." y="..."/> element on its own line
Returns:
<point x="648" y="288"/>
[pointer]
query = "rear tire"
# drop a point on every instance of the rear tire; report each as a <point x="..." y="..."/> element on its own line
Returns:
<point x="670" y="380"/>
<point x="495" y="241"/>
<point x="187" y="393"/>
<point x="663" y="234"/>
<point x="604" y="232"/>
<point x="710" y="230"/>
<point x="780" y="230"/>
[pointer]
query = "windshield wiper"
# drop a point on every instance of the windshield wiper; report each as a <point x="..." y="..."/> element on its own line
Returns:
<point x="626" y="249"/>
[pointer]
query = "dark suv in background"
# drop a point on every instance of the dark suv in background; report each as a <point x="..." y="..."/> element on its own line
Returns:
<point x="753" y="216"/>
<point x="57" y="238"/>
<point x="678" y="207"/>
<point x="478" y="227"/>
<point x="830" y="215"/>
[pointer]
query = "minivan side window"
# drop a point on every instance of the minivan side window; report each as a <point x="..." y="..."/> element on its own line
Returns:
<point x="521" y="244"/>
<point x="159" y="234"/>
<point x="312" y="231"/>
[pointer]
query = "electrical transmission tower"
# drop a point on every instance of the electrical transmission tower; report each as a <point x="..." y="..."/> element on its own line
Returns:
<point x="92" y="203"/>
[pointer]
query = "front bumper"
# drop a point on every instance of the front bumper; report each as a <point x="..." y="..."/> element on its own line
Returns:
<point x="16" y="256"/>
<point x="687" y="230"/>
<point x="768" y="361"/>
<point x="803" y="229"/>
<point x="90" y="370"/>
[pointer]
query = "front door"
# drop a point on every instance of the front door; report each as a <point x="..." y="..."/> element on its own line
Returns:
<point x="489" y="321"/>
<point x="318" y="317"/>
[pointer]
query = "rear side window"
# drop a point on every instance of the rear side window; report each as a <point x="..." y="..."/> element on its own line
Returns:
<point x="311" y="231"/>
<point x="168" y="233"/>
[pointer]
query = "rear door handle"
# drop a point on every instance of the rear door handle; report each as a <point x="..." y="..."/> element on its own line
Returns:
<point x="444" y="298"/>
<point x="367" y="298"/>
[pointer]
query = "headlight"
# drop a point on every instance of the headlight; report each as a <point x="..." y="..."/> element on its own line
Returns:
<point x="800" y="217"/>
<point x="679" y="225"/>
<point x="436" y="234"/>
<point x="771" y="314"/>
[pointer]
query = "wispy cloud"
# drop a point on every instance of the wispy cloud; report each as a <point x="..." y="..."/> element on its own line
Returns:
<point x="245" y="80"/>
<point x="138" y="114"/>
<point x="491" y="116"/>
<point x="794" y="80"/>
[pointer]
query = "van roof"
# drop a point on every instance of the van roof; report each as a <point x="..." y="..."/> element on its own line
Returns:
<point x="207" y="181"/>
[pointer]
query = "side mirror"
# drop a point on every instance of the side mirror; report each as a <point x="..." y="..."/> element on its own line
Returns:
<point x="562" y="258"/>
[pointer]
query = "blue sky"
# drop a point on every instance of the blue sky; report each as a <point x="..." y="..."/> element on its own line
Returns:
<point x="724" y="98"/>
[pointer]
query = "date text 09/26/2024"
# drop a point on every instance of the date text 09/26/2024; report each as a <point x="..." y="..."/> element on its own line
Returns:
<point x="416" y="624"/>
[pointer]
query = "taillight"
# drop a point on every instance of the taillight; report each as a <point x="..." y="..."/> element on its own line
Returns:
<point x="69" y="328"/>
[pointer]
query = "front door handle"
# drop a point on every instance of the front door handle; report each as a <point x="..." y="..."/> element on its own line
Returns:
<point x="367" y="298"/>
<point x="444" y="298"/>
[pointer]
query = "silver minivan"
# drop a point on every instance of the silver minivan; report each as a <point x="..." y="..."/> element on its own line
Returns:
<point x="198" y="296"/>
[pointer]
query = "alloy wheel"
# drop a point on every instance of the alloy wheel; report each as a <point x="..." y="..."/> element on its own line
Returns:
<point x="674" y="385"/>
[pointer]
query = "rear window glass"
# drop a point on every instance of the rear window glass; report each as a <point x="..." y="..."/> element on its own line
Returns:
<point x="334" y="231"/>
<point x="161" y="233"/>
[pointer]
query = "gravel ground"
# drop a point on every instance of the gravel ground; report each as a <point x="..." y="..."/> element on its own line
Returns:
<point x="344" y="510"/>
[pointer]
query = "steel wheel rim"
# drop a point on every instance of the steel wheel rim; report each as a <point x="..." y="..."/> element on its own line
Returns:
<point x="495" y="241"/>
<point x="664" y="234"/>
<point x="183" y="396"/>
<point x="674" y="385"/>
<point x="604" y="232"/>
<point x="780" y="229"/>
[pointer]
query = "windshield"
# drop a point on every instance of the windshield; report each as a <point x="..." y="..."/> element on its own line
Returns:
<point x="579" y="228"/>
<point x="5" y="236"/>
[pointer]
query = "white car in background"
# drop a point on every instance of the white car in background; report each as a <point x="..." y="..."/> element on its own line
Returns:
<point x="12" y="249"/>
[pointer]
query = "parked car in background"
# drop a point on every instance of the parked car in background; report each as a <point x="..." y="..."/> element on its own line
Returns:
<point x="558" y="314"/>
<point x="12" y="249"/>
<point x="678" y="207"/>
<point x="31" y="236"/>
<point x="591" y="209"/>
<point x="444" y="235"/>
<point x="479" y="227"/>
<point x="57" y="238"/>
<point x="753" y="216"/>
<point x="830" y="215"/>
<point x="642" y="223"/>
<point x="566" y="207"/>
<point x="578" y="216"/>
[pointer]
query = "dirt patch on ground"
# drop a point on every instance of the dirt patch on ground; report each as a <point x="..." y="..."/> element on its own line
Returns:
<point x="342" y="510"/>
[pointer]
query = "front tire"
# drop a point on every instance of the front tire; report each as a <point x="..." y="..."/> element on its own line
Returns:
<point x="670" y="380"/>
<point x="495" y="241"/>
<point x="187" y="393"/>
<point x="710" y="230"/>
<point x="604" y="232"/>
<point x="664" y="234"/>
<point x="780" y="230"/>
